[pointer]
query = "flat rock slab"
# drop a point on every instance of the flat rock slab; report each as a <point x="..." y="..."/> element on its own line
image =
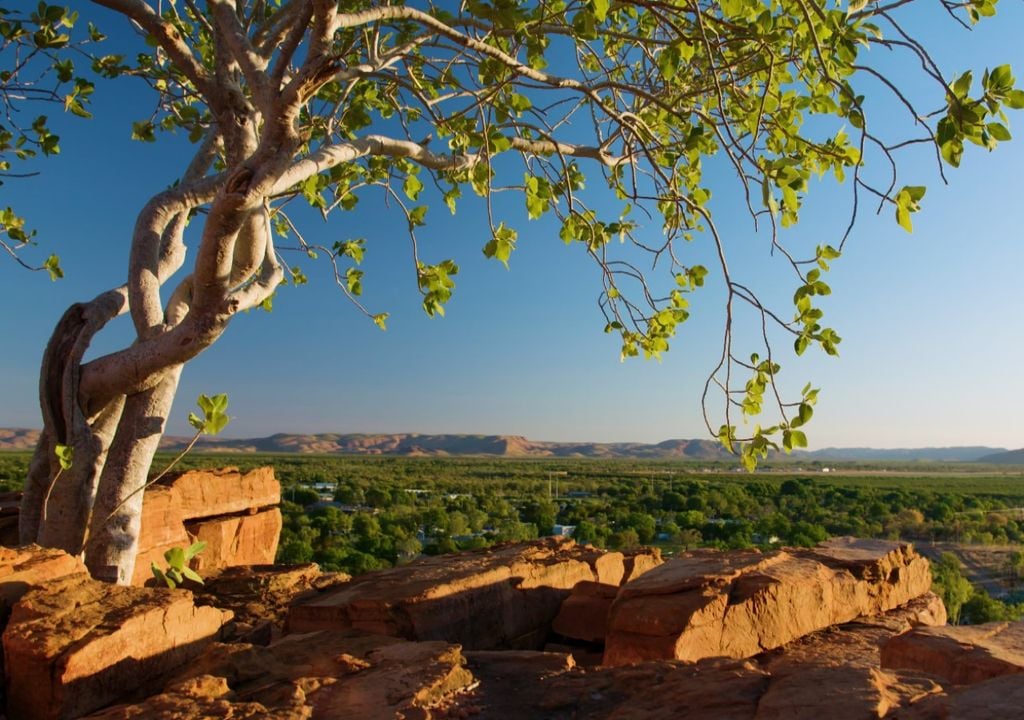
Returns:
<point x="234" y="513"/>
<point x="1000" y="698"/>
<point x="962" y="654"/>
<point x="324" y="675"/>
<point x="500" y="597"/>
<point x="584" y="614"/>
<point x="209" y="493"/>
<point x="74" y="644"/>
<point x="738" y="604"/>
<point x="832" y="673"/>
<point x="22" y="568"/>
<point x="236" y="540"/>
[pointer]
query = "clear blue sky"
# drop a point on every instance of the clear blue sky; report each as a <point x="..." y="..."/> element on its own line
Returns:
<point x="931" y="322"/>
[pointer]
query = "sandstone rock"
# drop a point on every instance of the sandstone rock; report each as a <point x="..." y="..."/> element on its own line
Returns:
<point x="209" y="493"/>
<point x="258" y="595"/>
<point x="835" y="673"/>
<point x="609" y="567"/>
<point x="504" y="596"/>
<point x="537" y="685"/>
<point x="162" y="528"/>
<point x="962" y="654"/>
<point x="230" y="511"/>
<point x="1000" y="698"/>
<point x="236" y="540"/>
<point x="22" y="568"/>
<point x="584" y="614"/>
<point x="638" y="562"/>
<point x="737" y="604"/>
<point x="320" y="675"/>
<point x="832" y="673"/>
<point x="74" y="644"/>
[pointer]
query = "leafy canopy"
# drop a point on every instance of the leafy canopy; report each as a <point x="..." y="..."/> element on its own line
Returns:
<point x="602" y="115"/>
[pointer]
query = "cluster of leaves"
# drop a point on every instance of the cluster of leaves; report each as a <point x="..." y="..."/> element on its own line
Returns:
<point x="178" y="570"/>
<point x="215" y="417"/>
<point x="651" y="94"/>
<point x="37" y="57"/>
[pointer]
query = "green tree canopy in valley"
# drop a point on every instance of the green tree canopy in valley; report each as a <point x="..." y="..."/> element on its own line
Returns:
<point x="602" y="115"/>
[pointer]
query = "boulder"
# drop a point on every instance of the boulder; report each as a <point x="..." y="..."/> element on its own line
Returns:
<point x="318" y="675"/>
<point x="500" y="597"/>
<point x="233" y="513"/>
<point x="637" y="562"/>
<point x="584" y="614"/>
<point x="1000" y="698"/>
<point x="544" y="685"/>
<point x="737" y="604"/>
<point x="162" y="528"/>
<point x="961" y="654"/>
<point x="831" y="673"/>
<point x="23" y="568"/>
<point x="209" y="493"/>
<point x="236" y="540"/>
<point x="75" y="644"/>
<point x="258" y="595"/>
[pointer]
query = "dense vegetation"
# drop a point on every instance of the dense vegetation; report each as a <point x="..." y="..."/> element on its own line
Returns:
<point x="362" y="513"/>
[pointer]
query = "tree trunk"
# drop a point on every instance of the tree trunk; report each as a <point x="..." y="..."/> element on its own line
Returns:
<point x="117" y="513"/>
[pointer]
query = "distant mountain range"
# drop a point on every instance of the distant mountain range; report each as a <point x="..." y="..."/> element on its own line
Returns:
<point x="411" y="444"/>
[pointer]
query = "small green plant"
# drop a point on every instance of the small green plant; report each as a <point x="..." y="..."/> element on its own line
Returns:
<point x="177" y="570"/>
<point x="65" y="455"/>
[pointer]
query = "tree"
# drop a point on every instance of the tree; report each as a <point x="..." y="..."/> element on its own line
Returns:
<point x="322" y="102"/>
<point x="949" y="583"/>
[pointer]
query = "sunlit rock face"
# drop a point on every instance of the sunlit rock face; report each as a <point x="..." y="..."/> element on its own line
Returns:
<point x="737" y="604"/>
<point x="962" y="654"/>
<point x="235" y="514"/>
<point x="500" y="597"/>
<point x="73" y="645"/>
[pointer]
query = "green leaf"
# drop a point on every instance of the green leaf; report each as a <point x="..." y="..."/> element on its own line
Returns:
<point x="998" y="131"/>
<point x="52" y="266"/>
<point x="65" y="455"/>
<point x="192" y="575"/>
<point x="413" y="187"/>
<point x="416" y="216"/>
<point x="354" y="281"/>
<point x="194" y="549"/>
<point x="502" y="244"/>
<point x="903" y="218"/>
<point x="380" y="320"/>
<point x="175" y="557"/>
<point x="600" y="8"/>
<point x="159" y="575"/>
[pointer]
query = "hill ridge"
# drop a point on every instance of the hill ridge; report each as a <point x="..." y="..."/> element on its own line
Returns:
<point x="470" y="444"/>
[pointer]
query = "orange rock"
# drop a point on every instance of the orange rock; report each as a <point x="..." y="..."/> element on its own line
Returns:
<point x="74" y="644"/>
<point x="640" y="561"/>
<point x="23" y="568"/>
<point x="236" y="540"/>
<point x="584" y="614"/>
<point x="209" y="493"/>
<point x="324" y="675"/>
<point x="504" y="596"/>
<point x="961" y="654"/>
<point x="1000" y="698"/>
<point x="737" y="604"/>
<point x="162" y="528"/>
<point x="230" y="511"/>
